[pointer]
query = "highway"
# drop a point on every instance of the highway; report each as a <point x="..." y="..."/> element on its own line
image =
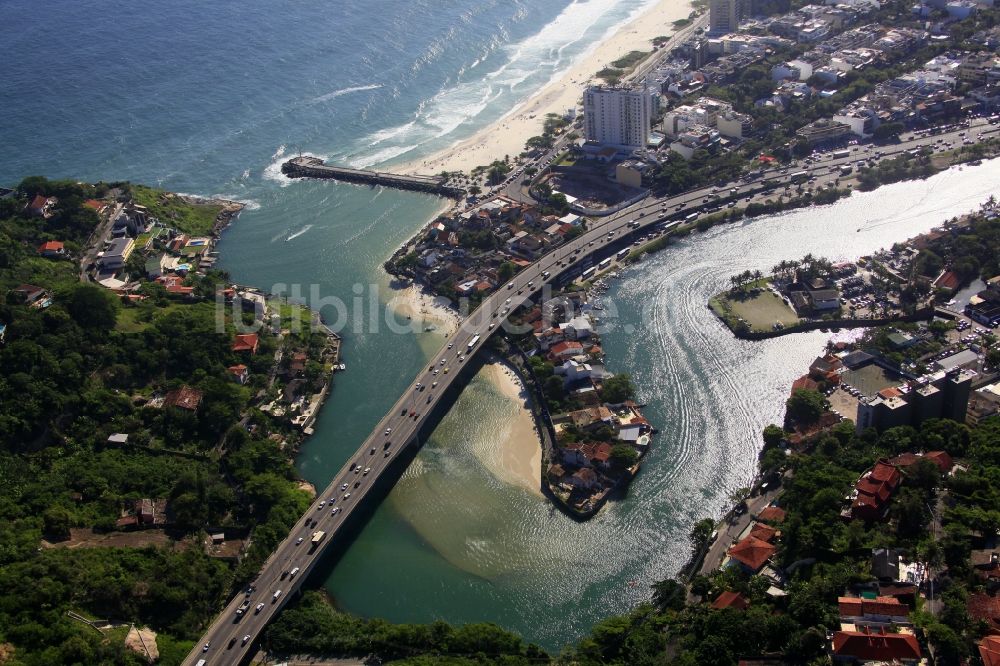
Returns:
<point x="398" y="429"/>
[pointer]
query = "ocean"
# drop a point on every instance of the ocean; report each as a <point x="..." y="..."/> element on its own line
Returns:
<point x="210" y="98"/>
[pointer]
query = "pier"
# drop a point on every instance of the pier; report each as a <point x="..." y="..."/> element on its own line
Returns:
<point x="313" y="167"/>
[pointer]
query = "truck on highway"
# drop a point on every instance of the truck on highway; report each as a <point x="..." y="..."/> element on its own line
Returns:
<point x="473" y="342"/>
<point x="317" y="538"/>
<point x="243" y="608"/>
<point x="846" y="169"/>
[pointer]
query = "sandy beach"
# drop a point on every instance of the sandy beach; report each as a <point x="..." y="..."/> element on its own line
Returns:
<point x="508" y="135"/>
<point x="420" y="311"/>
<point x="519" y="460"/>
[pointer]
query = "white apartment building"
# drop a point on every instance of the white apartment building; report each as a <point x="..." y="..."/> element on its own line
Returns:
<point x="724" y="16"/>
<point x="618" y="117"/>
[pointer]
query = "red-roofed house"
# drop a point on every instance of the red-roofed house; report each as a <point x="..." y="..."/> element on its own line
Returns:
<point x="764" y="532"/>
<point x="865" y="646"/>
<point x="730" y="600"/>
<point x="751" y="553"/>
<point x="584" y="478"/>
<point x="772" y="514"/>
<point x="879" y="610"/>
<point x="826" y="368"/>
<point x="40" y="206"/>
<point x="246" y="342"/>
<point x="942" y="459"/>
<point x="240" y="373"/>
<point x="985" y="607"/>
<point x="805" y="382"/>
<point x="51" y="249"/>
<point x="185" y="398"/>
<point x="94" y="204"/>
<point x="179" y="289"/>
<point x="905" y="461"/>
<point x="890" y="392"/>
<point x="564" y="350"/>
<point x="948" y="281"/>
<point x="874" y="490"/>
<point x="989" y="650"/>
<point x="597" y="452"/>
<point x="28" y="293"/>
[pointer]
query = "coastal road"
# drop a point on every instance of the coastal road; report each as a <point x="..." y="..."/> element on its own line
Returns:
<point x="231" y="637"/>
<point x="649" y="64"/>
<point x="96" y="242"/>
<point x="732" y="527"/>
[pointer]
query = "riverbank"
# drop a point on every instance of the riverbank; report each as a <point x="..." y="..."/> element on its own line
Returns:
<point x="508" y="135"/>
<point x="519" y="462"/>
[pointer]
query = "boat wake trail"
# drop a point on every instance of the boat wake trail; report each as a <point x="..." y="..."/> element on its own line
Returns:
<point x="299" y="232"/>
<point x="345" y="91"/>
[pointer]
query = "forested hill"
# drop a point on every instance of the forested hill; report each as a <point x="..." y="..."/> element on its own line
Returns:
<point x="80" y="363"/>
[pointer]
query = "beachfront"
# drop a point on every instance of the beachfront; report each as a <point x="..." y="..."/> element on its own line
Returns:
<point x="508" y="135"/>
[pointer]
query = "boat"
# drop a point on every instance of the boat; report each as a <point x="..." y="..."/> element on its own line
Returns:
<point x="342" y="367"/>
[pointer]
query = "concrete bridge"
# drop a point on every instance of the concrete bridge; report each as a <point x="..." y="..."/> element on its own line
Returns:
<point x="314" y="167"/>
<point x="386" y="451"/>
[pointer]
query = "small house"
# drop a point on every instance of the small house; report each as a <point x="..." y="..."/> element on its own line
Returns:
<point x="52" y="249"/>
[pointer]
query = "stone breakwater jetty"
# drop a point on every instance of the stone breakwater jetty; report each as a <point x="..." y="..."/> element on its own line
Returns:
<point x="313" y="167"/>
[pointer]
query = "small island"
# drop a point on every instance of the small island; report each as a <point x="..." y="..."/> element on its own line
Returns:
<point x="815" y="293"/>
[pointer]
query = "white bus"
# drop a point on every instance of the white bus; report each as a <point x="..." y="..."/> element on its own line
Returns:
<point x="473" y="342"/>
<point x="589" y="273"/>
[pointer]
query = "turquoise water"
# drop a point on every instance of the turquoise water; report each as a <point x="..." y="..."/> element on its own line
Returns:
<point x="209" y="98"/>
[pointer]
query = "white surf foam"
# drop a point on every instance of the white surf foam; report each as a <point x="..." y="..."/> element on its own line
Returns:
<point x="272" y="171"/>
<point x="553" y="50"/>
<point x="248" y="204"/>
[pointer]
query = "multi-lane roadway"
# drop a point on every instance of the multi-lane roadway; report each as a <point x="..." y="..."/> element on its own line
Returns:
<point x="231" y="636"/>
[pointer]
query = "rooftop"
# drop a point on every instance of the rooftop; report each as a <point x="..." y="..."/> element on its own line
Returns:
<point x="752" y="552"/>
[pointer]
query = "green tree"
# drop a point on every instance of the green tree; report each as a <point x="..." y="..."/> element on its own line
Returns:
<point x="669" y="595"/>
<point x="92" y="307"/>
<point x="623" y="456"/>
<point x="57" y="521"/>
<point x="805" y="405"/>
<point x="506" y="271"/>
<point x="888" y="131"/>
<point x="773" y="435"/>
<point x="700" y="533"/>
<point x="618" y="389"/>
